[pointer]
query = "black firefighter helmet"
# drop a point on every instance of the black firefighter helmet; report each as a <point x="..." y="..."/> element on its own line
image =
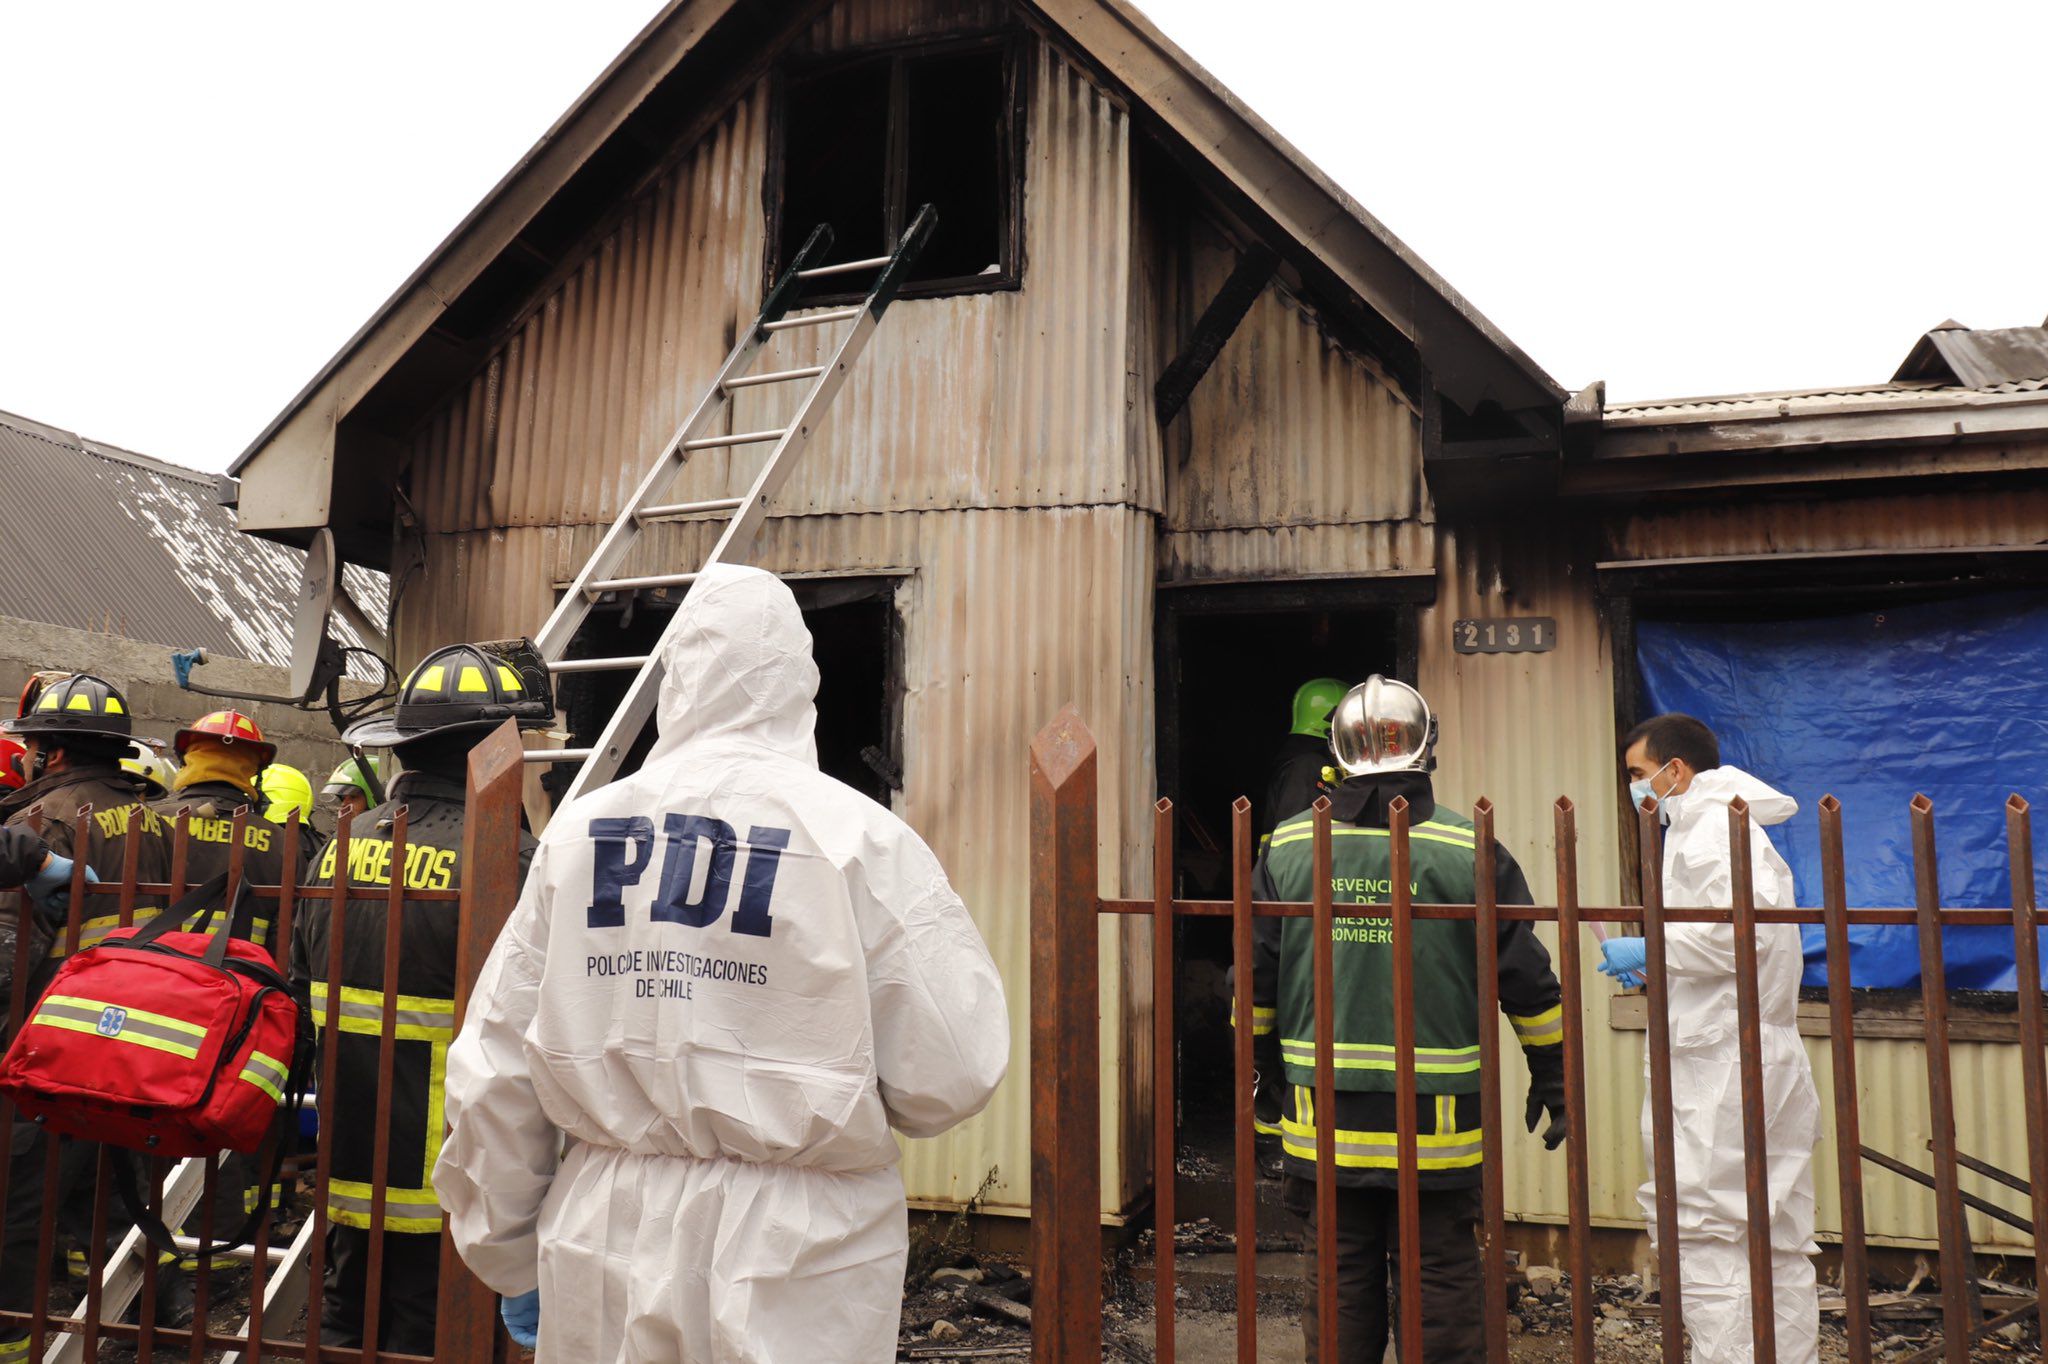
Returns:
<point x="463" y="687"/>
<point x="74" y="705"/>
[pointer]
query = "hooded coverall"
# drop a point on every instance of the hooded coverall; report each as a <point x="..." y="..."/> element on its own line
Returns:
<point x="728" y="978"/>
<point x="1706" y="1079"/>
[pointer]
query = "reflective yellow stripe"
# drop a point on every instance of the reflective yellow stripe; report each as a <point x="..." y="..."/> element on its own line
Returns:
<point x="1264" y="1018"/>
<point x="348" y="1202"/>
<point x="133" y="1039"/>
<point x="421" y="1018"/>
<point x="267" y="1073"/>
<point x="92" y="932"/>
<point x="1358" y="1150"/>
<point x="1281" y="838"/>
<point x="1540" y="1030"/>
<point x="139" y="1015"/>
<point x="1372" y="1056"/>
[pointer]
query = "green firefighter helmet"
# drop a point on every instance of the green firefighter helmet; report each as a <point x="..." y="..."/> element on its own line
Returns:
<point x="1313" y="703"/>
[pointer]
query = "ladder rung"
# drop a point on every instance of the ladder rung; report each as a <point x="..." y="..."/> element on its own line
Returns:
<point x="716" y="504"/>
<point x="845" y="267"/>
<point x="245" y="1254"/>
<point x="813" y="319"/>
<point x="780" y="376"/>
<point x="742" y="438"/>
<point x="597" y="665"/>
<point x="633" y="584"/>
<point x="558" y="755"/>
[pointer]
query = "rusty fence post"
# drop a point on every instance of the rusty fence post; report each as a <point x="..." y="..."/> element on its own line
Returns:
<point x="1323" y="932"/>
<point x="466" y="1330"/>
<point x="2026" y="938"/>
<point x="1848" y="1119"/>
<point x="1066" y="1129"/>
<point x="1763" y="1322"/>
<point x="1245" y="1155"/>
<point x="1492" y="1179"/>
<point x="1164" y="1124"/>
<point x="1578" y="1179"/>
<point x="1407" y="1189"/>
<point x="1958" y="1273"/>
<point x="1663" y="1146"/>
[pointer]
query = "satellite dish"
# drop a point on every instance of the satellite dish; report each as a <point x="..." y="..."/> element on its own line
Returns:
<point x="318" y="585"/>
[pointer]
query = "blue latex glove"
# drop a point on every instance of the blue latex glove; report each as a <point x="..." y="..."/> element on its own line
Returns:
<point x="51" y="887"/>
<point x="521" y="1316"/>
<point x="1624" y="959"/>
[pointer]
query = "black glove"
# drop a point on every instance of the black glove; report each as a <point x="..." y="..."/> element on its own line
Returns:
<point x="1546" y="1091"/>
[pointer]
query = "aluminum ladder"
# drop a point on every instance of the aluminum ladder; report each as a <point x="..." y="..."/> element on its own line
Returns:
<point x="599" y="764"/>
<point x="121" y="1276"/>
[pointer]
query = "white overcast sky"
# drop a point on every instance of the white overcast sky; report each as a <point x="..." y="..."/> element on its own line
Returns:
<point x="200" y="202"/>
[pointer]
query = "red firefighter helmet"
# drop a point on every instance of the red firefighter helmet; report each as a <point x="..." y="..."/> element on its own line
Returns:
<point x="11" y="753"/>
<point x="229" y="727"/>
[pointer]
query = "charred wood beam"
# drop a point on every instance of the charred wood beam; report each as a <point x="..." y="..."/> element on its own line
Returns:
<point x="1219" y="321"/>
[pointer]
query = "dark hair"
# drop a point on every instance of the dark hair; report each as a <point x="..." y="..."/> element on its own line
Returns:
<point x="1677" y="736"/>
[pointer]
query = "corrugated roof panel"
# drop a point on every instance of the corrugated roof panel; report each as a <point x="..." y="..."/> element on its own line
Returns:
<point x="1809" y="402"/>
<point x="103" y="539"/>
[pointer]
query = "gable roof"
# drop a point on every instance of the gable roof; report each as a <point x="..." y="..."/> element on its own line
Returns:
<point x="1967" y="358"/>
<point x="103" y="539"/>
<point x="599" y="144"/>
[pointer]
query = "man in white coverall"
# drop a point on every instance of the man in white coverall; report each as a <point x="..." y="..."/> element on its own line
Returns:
<point x="1675" y="761"/>
<point x="728" y="978"/>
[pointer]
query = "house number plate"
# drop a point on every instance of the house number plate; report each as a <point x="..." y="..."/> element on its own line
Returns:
<point x="1504" y="635"/>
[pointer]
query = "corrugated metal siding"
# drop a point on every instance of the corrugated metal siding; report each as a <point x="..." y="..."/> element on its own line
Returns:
<point x="1929" y="520"/>
<point x="957" y="402"/>
<point x="1008" y="616"/>
<point x="1273" y="553"/>
<point x="1288" y="428"/>
<point x="1522" y="730"/>
<point x="871" y="23"/>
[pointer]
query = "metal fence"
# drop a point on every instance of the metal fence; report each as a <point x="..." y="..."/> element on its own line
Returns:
<point x="1066" y="908"/>
<point x="282" y="1279"/>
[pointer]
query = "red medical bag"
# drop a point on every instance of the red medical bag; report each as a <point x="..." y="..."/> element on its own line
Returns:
<point x="171" y="1042"/>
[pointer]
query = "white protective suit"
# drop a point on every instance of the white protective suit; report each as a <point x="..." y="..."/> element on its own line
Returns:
<point x="728" y="978"/>
<point x="1706" y="1080"/>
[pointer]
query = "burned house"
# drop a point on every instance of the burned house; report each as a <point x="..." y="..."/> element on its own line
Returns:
<point x="1163" y="424"/>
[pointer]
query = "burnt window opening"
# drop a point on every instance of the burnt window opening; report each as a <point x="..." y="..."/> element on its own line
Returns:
<point x="864" y="145"/>
<point x="856" y="638"/>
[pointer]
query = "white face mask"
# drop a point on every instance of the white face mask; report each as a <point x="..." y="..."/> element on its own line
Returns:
<point x="1646" y="789"/>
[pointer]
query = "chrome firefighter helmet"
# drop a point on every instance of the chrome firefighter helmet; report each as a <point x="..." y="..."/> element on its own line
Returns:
<point x="1383" y="726"/>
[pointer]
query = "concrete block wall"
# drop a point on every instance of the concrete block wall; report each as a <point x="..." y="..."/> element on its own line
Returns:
<point x="305" y="739"/>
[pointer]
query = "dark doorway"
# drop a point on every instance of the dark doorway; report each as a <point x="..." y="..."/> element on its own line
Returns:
<point x="1230" y="659"/>
<point x="856" y="637"/>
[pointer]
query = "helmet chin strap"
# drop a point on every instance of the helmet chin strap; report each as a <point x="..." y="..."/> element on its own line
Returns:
<point x="369" y="774"/>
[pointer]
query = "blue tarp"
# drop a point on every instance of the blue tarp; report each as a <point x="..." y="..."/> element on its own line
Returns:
<point x="1948" y="698"/>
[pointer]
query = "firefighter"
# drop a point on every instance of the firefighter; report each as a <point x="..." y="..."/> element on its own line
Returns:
<point x="222" y="758"/>
<point x="1384" y="738"/>
<point x="351" y="788"/>
<point x="150" y="769"/>
<point x="1295" y="780"/>
<point x="455" y="697"/>
<point x="74" y="729"/>
<point x="286" y="789"/>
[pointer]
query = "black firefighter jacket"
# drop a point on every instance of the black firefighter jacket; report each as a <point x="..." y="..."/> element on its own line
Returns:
<point x="426" y="994"/>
